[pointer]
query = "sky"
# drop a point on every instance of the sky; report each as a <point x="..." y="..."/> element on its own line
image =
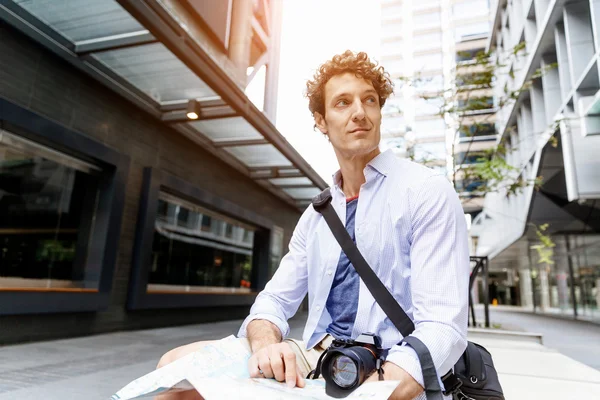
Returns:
<point x="312" y="32"/>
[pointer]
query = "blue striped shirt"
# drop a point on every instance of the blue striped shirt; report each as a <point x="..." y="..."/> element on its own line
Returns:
<point x="411" y="229"/>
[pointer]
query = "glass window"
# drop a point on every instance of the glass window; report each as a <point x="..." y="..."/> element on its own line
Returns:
<point x="429" y="83"/>
<point x="291" y="181"/>
<point x="392" y="47"/>
<point x="156" y="71"/>
<point x="425" y="62"/>
<point x="470" y="8"/>
<point x="430" y="127"/>
<point x="391" y="10"/>
<point x="424" y="152"/>
<point x="463" y="31"/>
<point x="47" y="206"/>
<point x="475" y="130"/>
<point x="391" y="28"/>
<point x="423" y="4"/>
<point x="472" y="157"/>
<point x="198" y="250"/>
<point x="224" y="129"/>
<point x="479" y="79"/>
<point x="427" y="41"/>
<point x="394" y="66"/>
<point x="277" y="249"/>
<point x="259" y="155"/>
<point x="476" y="103"/>
<point x="256" y="88"/>
<point x="394" y="104"/>
<point x="392" y="126"/>
<point x="426" y="20"/>
<point x="428" y="106"/>
<point x="468" y="185"/>
<point x="395" y="143"/>
<point x="468" y="55"/>
<point x="80" y="20"/>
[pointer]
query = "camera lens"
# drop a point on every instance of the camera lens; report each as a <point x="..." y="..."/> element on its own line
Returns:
<point x="344" y="371"/>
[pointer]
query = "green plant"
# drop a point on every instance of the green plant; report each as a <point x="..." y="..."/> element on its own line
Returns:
<point x="545" y="247"/>
<point x="466" y="103"/>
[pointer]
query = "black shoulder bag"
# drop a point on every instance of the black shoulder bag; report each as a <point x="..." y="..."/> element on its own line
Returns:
<point x="474" y="376"/>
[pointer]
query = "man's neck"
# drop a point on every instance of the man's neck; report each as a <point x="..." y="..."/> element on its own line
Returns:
<point x="352" y="169"/>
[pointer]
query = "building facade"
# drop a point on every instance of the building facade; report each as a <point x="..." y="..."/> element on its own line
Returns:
<point x="139" y="185"/>
<point x="420" y="42"/>
<point x="552" y="131"/>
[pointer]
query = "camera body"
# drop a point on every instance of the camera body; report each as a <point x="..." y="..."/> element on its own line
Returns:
<point x="347" y="363"/>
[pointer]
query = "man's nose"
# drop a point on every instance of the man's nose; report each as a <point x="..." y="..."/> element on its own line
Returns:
<point x="358" y="113"/>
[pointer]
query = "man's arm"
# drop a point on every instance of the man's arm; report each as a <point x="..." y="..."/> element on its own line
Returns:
<point x="262" y="333"/>
<point x="271" y="358"/>
<point x="439" y="278"/>
<point x="267" y="325"/>
<point x="283" y="294"/>
<point x="408" y="388"/>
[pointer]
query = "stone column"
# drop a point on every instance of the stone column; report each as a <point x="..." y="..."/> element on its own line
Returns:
<point x="563" y="290"/>
<point x="598" y="293"/>
<point x="544" y="289"/>
<point x="525" y="288"/>
<point x="240" y="38"/>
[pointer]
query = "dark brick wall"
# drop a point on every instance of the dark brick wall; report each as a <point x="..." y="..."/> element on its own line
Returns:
<point x="35" y="78"/>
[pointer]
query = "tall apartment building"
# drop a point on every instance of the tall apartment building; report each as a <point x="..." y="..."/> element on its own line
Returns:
<point x="553" y="131"/>
<point x="474" y="126"/>
<point x="420" y="39"/>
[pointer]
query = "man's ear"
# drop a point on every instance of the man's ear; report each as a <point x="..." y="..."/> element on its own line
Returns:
<point x="320" y="123"/>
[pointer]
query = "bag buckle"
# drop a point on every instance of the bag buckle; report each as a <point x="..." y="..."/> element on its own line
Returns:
<point x="461" y="396"/>
<point x="321" y="200"/>
<point x="451" y="383"/>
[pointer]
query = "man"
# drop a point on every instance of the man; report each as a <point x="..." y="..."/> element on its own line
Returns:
<point x="405" y="219"/>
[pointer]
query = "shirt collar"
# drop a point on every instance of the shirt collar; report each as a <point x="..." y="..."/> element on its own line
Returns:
<point x="381" y="164"/>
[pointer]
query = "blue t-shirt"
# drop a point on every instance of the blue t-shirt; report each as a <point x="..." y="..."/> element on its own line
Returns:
<point x="342" y="302"/>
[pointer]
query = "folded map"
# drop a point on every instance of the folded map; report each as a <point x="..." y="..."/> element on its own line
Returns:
<point x="220" y="371"/>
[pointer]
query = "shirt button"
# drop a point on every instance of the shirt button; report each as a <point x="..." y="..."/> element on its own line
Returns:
<point x="329" y="272"/>
<point x="318" y="308"/>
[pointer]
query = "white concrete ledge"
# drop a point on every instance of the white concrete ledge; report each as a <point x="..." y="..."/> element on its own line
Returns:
<point x="481" y="333"/>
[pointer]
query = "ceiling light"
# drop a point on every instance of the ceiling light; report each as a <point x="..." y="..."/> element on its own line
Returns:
<point x="193" y="110"/>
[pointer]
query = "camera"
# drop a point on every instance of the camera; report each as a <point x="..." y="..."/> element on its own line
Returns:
<point x="347" y="363"/>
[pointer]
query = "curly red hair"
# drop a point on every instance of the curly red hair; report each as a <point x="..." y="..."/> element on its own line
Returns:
<point x="357" y="63"/>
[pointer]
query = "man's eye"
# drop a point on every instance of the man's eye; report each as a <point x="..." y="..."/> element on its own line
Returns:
<point x="341" y="103"/>
<point x="371" y="100"/>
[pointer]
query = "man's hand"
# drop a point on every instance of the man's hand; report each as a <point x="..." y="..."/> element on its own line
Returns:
<point x="408" y="388"/>
<point x="276" y="361"/>
<point x="269" y="355"/>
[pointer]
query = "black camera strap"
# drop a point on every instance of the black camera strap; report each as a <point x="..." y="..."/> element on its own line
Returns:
<point x="389" y="305"/>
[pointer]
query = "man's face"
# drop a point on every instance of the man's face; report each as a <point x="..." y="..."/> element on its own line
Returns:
<point x="352" y="115"/>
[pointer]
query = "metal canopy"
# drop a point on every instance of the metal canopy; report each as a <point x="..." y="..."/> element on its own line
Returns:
<point x="137" y="49"/>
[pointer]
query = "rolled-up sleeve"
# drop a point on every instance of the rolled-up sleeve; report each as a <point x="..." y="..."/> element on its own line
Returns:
<point x="439" y="258"/>
<point x="282" y="296"/>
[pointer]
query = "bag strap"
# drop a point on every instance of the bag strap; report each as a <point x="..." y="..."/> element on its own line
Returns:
<point x="389" y="305"/>
<point x="433" y="390"/>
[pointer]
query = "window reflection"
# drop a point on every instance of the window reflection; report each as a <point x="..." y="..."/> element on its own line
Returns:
<point x="197" y="250"/>
<point x="47" y="205"/>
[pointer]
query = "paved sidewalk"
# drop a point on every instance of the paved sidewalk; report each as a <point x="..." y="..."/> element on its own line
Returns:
<point x="529" y="370"/>
<point x="95" y="367"/>
<point x="579" y="340"/>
